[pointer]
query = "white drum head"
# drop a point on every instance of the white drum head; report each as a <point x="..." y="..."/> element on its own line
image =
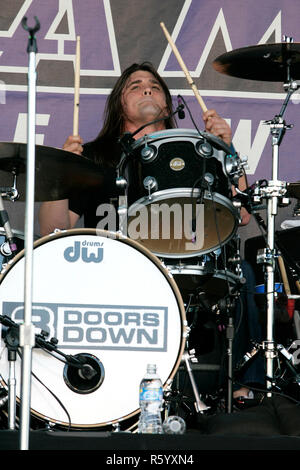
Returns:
<point x="109" y="301"/>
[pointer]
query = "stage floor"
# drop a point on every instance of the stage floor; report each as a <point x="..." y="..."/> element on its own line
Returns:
<point x="271" y="426"/>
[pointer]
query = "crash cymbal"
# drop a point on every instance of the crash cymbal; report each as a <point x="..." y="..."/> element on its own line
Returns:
<point x="58" y="174"/>
<point x="293" y="190"/>
<point x="265" y="62"/>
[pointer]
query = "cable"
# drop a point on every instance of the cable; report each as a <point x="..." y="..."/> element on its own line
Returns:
<point x="53" y="394"/>
<point x="192" y="119"/>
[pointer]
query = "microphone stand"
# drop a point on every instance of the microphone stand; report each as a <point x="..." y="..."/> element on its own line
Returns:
<point x="225" y="307"/>
<point x="26" y="329"/>
<point x="12" y="344"/>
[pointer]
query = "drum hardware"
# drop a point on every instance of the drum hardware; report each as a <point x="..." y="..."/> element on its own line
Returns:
<point x="173" y="395"/>
<point x="282" y="255"/>
<point x="10" y="193"/>
<point x="225" y="309"/>
<point x="247" y="358"/>
<point x="3" y="397"/>
<point x="272" y="193"/>
<point x="83" y="373"/>
<point x="4" y="221"/>
<point x="278" y="381"/>
<point x="273" y="62"/>
<point x="233" y="164"/>
<point x="150" y="184"/>
<point x="200" y="406"/>
<point x="296" y="212"/>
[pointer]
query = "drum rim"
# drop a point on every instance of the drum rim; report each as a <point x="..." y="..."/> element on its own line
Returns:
<point x="182" y="132"/>
<point x="184" y="192"/>
<point x="190" y="269"/>
<point x="159" y="264"/>
<point x="179" y="192"/>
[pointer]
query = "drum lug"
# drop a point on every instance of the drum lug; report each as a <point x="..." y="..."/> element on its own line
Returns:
<point x="148" y="153"/>
<point x="150" y="184"/>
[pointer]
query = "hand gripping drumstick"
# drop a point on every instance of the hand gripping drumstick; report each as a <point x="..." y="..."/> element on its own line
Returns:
<point x="76" y="88"/>
<point x="185" y="70"/>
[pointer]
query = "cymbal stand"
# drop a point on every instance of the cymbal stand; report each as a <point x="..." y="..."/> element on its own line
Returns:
<point x="272" y="192"/>
<point x="27" y="328"/>
<point x="122" y="184"/>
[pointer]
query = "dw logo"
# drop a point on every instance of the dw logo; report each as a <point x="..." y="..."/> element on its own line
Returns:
<point x="81" y="250"/>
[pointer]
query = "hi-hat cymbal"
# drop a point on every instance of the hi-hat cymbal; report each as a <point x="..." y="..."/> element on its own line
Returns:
<point x="58" y="174"/>
<point x="293" y="190"/>
<point x="264" y="62"/>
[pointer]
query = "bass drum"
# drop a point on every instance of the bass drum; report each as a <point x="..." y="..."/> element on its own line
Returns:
<point x="110" y="304"/>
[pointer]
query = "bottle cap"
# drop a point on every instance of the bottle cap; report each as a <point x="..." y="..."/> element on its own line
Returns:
<point x="174" y="425"/>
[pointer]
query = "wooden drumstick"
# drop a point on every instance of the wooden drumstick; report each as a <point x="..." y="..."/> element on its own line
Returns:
<point x="185" y="70"/>
<point x="76" y="89"/>
<point x="284" y="276"/>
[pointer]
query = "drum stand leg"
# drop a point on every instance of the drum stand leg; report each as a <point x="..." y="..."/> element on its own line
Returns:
<point x="12" y="396"/>
<point x="199" y="405"/>
<point x="226" y="307"/>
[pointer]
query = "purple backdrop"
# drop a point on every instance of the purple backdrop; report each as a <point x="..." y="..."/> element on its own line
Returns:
<point x="115" y="33"/>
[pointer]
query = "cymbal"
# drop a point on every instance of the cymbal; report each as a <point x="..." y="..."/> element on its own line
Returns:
<point x="264" y="62"/>
<point x="293" y="190"/>
<point x="58" y="174"/>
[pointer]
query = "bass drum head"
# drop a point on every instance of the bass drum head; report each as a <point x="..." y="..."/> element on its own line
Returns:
<point x="108" y="302"/>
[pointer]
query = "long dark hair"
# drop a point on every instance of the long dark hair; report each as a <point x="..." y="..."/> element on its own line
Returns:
<point x="105" y="143"/>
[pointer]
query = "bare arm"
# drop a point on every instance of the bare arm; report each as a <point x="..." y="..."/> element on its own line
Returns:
<point x="217" y="125"/>
<point x="56" y="214"/>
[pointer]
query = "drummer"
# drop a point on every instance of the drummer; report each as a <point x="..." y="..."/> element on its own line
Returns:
<point x="139" y="97"/>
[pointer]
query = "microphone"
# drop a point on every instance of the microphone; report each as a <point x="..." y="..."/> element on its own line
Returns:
<point x="180" y="107"/>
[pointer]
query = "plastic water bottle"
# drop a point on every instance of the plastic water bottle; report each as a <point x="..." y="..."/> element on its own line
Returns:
<point x="151" y="400"/>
